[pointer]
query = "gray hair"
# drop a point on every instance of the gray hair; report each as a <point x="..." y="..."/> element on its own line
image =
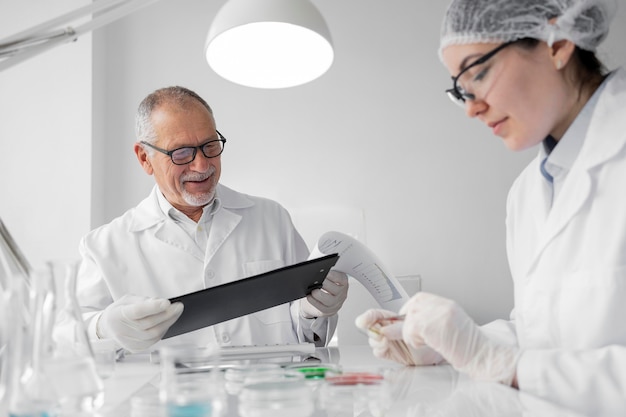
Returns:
<point x="179" y="96"/>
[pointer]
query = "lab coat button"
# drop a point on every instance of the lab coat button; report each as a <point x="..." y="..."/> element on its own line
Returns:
<point x="210" y="274"/>
<point x="225" y="338"/>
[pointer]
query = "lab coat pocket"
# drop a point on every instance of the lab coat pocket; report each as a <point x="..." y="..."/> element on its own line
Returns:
<point x="590" y="302"/>
<point x="259" y="267"/>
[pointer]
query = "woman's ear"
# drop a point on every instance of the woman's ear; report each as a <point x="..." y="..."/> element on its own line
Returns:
<point x="142" y="157"/>
<point x="561" y="53"/>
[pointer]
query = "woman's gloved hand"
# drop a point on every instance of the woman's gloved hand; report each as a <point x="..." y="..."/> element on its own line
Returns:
<point x="385" y="339"/>
<point x="443" y="325"/>
<point x="136" y="323"/>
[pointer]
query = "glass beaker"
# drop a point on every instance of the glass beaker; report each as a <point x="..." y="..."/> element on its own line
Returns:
<point x="191" y="384"/>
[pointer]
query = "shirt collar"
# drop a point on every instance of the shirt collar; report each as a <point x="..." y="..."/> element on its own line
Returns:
<point x="561" y="158"/>
<point x="173" y="213"/>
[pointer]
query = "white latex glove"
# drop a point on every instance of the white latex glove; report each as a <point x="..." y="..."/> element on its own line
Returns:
<point x="385" y="339"/>
<point x="326" y="301"/>
<point x="443" y="325"/>
<point x="136" y="323"/>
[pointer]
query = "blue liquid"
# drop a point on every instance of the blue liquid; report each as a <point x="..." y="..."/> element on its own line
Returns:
<point x="189" y="410"/>
<point x="33" y="414"/>
<point x="34" y="408"/>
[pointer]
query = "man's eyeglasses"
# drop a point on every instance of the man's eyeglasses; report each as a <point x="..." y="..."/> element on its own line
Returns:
<point x="186" y="154"/>
<point x="458" y="94"/>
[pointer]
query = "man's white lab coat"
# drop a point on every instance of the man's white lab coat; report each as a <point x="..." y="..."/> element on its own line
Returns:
<point x="144" y="252"/>
<point x="569" y="269"/>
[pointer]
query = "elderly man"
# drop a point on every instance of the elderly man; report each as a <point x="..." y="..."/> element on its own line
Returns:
<point x="192" y="233"/>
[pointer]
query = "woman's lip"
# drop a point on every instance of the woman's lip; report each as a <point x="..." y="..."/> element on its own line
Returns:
<point x="495" y="126"/>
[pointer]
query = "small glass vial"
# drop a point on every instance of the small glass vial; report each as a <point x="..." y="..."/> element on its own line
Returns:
<point x="189" y="386"/>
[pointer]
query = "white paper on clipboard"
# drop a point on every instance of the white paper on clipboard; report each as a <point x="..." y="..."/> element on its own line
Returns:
<point x="359" y="262"/>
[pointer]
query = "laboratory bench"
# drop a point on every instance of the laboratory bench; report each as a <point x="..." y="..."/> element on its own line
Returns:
<point x="400" y="391"/>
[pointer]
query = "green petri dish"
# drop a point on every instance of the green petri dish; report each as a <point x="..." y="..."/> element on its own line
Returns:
<point x="317" y="371"/>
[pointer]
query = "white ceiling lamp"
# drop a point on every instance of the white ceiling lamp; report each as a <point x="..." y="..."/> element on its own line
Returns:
<point x="269" y="43"/>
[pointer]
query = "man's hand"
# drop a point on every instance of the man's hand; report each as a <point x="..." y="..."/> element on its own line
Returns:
<point x="136" y="323"/>
<point x="326" y="301"/>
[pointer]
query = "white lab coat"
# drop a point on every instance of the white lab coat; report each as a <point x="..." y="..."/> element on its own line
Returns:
<point x="569" y="269"/>
<point x="144" y="252"/>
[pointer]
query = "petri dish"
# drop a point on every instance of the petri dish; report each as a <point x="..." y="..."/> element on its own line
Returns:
<point x="314" y="371"/>
<point x="236" y="376"/>
<point x="276" y="399"/>
<point x="354" y="378"/>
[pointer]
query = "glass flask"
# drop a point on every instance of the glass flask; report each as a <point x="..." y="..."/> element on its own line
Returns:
<point x="29" y="391"/>
<point x="14" y="281"/>
<point x="51" y="376"/>
<point x="72" y="364"/>
<point x="5" y="322"/>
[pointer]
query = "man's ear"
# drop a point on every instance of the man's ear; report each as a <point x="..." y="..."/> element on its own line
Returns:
<point x="142" y="157"/>
<point x="561" y="53"/>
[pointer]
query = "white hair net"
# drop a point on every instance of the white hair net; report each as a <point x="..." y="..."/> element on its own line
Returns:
<point x="584" y="22"/>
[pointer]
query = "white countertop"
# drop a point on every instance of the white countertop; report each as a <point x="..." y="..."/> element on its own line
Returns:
<point x="409" y="391"/>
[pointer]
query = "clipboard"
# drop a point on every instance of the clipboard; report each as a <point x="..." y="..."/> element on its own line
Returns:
<point x="248" y="295"/>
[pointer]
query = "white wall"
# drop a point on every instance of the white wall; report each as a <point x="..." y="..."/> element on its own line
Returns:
<point x="45" y="138"/>
<point x="375" y="133"/>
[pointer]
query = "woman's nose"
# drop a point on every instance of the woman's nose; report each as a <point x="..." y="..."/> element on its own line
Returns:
<point x="474" y="107"/>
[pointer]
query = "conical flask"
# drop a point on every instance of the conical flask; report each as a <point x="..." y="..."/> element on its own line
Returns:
<point x="30" y="391"/>
<point x="14" y="282"/>
<point x="78" y="386"/>
<point x="24" y="308"/>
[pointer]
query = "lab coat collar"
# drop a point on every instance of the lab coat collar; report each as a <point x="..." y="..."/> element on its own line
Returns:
<point x="231" y="199"/>
<point x="606" y="137"/>
<point x="149" y="214"/>
<point x="226" y="219"/>
<point x="607" y="133"/>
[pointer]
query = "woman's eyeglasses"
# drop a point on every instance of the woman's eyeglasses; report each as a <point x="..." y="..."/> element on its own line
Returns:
<point x="457" y="93"/>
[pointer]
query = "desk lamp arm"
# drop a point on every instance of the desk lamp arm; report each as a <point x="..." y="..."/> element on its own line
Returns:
<point x="30" y="42"/>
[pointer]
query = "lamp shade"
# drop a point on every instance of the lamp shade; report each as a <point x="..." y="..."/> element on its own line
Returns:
<point x="269" y="43"/>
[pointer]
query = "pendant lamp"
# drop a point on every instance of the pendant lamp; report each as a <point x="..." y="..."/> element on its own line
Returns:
<point x="269" y="43"/>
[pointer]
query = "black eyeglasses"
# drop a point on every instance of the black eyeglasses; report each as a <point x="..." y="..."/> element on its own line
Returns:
<point x="186" y="154"/>
<point x="457" y="94"/>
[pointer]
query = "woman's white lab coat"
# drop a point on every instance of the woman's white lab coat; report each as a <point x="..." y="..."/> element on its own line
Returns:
<point x="569" y="269"/>
<point x="144" y="252"/>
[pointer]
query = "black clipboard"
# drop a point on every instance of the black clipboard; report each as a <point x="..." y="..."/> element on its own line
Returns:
<point x="238" y="298"/>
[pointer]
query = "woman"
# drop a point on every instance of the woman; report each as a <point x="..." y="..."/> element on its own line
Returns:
<point x="527" y="69"/>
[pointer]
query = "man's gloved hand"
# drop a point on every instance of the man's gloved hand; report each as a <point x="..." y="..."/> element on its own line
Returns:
<point x="136" y="323"/>
<point x="385" y="339"/>
<point x="443" y="325"/>
<point x="326" y="301"/>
